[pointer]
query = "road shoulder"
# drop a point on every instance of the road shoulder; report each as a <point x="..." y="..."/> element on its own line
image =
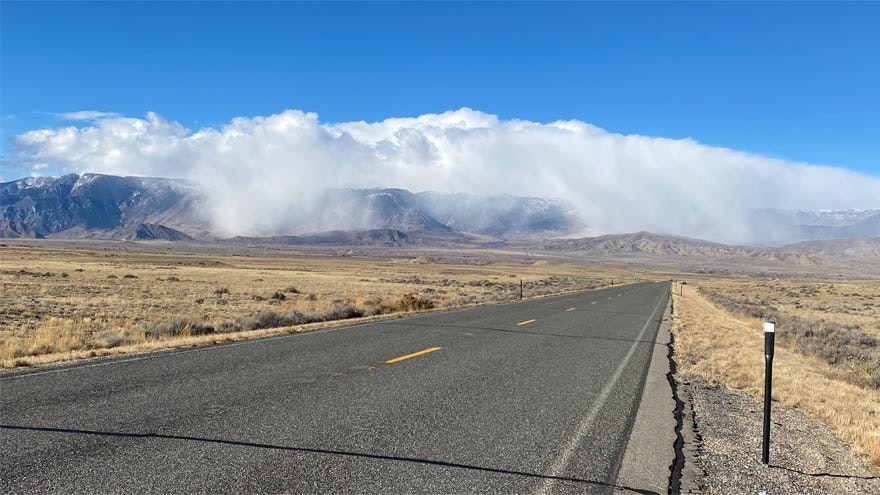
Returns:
<point x="650" y="450"/>
<point x="805" y="456"/>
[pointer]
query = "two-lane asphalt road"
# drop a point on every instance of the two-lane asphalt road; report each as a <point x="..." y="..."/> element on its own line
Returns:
<point x="530" y="397"/>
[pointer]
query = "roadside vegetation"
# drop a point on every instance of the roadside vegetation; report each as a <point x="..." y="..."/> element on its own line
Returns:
<point x="62" y="304"/>
<point x="845" y="345"/>
<point x="825" y="362"/>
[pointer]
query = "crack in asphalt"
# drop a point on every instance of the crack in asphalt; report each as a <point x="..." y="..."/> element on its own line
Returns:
<point x="677" y="466"/>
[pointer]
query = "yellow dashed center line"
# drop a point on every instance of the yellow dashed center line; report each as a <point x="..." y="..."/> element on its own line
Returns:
<point x="570" y="309"/>
<point x="410" y="356"/>
<point x="524" y="323"/>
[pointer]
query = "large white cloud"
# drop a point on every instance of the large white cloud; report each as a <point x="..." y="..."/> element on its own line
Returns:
<point x="263" y="171"/>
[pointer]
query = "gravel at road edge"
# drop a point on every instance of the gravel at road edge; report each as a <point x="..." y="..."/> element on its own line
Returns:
<point x="724" y="448"/>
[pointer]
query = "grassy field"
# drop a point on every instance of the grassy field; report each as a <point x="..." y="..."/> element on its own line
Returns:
<point x="61" y="304"/>
<point x="855" y="303"/>
<point x="827" y="356"/>
<point x="836" y="322"/>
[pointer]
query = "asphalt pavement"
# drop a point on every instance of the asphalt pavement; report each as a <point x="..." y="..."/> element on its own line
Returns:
<point x="530" y="397"/>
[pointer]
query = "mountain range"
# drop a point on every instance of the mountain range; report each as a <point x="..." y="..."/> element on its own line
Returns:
<point x="648" y="244"/>
<point x="138" y="208"/>
<point x="94" y="206"/>
<point x="789" y="226"/>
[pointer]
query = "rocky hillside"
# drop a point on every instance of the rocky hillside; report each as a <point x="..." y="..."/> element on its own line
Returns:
<point x="99" y="206"/>
<point x="865" y="248"/>
<point x="641" y="243"/>
<point x="154" y="232"/>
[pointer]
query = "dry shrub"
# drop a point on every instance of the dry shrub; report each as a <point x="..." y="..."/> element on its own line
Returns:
<point x="175" y="327"/>
<point x="272" y="319"/>
<point x="109" y="338"/>
<point x="835" y="343"/>
<point x="19" y="273"/>
<point x="462" y="301"/>
<point x="156" y="330"/>
<point x="342" y="311"/>
<point x="407" y="302"/>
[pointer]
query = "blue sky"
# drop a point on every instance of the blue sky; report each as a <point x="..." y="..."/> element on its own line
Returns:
<point x="794" y="81"/>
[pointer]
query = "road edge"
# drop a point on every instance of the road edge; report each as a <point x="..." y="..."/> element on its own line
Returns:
<point x="650" y="449"/>
<point x="216" y="341"/>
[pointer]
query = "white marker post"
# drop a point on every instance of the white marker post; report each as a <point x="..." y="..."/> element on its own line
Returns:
<point x="769" y="344"/>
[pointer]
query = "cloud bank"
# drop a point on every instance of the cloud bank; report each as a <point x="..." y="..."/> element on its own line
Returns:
<point x="263" y="172"/>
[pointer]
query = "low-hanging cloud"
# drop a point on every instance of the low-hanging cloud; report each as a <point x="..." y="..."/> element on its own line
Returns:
<point x="264" y="172"/>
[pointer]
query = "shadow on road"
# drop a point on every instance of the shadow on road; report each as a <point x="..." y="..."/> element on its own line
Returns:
<point x="322" y="452"/>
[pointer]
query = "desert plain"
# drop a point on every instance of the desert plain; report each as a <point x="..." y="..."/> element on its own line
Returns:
<point x="69" y="300"/>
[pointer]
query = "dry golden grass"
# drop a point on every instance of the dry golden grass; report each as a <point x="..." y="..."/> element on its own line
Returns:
<point x="846" y="302"/>
<point x="727" y="349"/>
<point x="61" y="304"/>
<point x="837" y="322"/>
